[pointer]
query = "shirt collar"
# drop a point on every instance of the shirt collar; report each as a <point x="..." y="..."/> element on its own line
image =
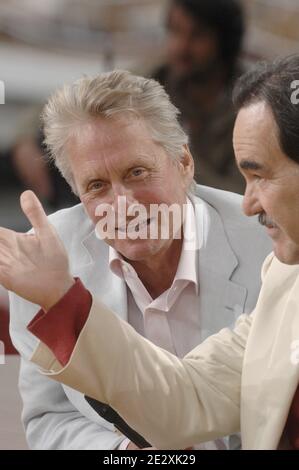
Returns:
<point x="187" y="267"/>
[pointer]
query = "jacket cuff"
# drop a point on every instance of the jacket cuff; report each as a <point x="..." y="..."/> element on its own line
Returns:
<point x="60" y="327"/>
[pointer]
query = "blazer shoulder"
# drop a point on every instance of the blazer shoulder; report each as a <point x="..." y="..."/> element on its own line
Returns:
<point x="71" y="222"/>
<point x="273" y="268"/>
<point x="228" y="205"/>
<point x="243" y="232"/>
<point x="218" y="198"/>
<point x="266" y="265"/>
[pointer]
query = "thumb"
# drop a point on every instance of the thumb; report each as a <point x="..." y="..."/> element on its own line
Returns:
<point x="34" y="212"/>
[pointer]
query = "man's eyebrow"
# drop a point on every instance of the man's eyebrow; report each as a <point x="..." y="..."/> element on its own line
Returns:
<point x="251" y="165"/>
<point x="94" y="176"/>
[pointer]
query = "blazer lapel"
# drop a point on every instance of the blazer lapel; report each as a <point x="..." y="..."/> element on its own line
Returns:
<point x="221" y="300"/>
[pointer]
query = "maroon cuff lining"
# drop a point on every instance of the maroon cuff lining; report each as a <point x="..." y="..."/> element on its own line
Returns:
<point x="60" y="327"/>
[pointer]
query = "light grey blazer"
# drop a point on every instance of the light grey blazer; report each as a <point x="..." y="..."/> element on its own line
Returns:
<point x="230" y="260"/>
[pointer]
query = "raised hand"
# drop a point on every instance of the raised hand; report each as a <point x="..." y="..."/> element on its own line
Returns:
<point x="35" y="266"/>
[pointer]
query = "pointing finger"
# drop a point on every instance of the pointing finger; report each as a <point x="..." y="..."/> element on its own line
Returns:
<point x="34" y="212"/>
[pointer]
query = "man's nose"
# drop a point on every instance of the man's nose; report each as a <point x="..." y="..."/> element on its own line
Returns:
<point x="123" y="198"/>
<point x="251" y="204"/>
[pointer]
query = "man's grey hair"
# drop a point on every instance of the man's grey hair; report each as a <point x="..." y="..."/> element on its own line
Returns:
<point x="110" y="95"/>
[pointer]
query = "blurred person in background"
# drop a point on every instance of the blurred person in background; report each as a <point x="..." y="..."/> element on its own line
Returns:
<point x="32" y="169"/>
<point x="203" y="48"/>
<point x="23" y="166"/>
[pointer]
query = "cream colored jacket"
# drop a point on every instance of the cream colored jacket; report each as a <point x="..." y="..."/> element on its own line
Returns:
<point x="243" y="379"/>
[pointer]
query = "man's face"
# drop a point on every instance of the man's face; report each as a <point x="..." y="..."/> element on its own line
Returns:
<point x="272" y="179"/>
<point x="112" y="158"/>
<point x="192" y="48"/>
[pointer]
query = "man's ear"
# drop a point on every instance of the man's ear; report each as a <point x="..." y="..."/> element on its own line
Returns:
<point x="186" y="165"/>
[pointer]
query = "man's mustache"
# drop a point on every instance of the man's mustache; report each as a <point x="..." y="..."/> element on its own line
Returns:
<point x="266" y="221"/>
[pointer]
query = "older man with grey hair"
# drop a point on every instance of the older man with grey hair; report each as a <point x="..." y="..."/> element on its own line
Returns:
<point x="116" y="139"/>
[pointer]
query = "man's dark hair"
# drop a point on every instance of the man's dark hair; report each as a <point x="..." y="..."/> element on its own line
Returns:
<point x="226" y="18"/>
<point x="272" y="84"/>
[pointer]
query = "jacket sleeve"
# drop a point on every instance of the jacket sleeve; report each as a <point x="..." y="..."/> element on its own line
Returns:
<point x="173" y="403"/>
